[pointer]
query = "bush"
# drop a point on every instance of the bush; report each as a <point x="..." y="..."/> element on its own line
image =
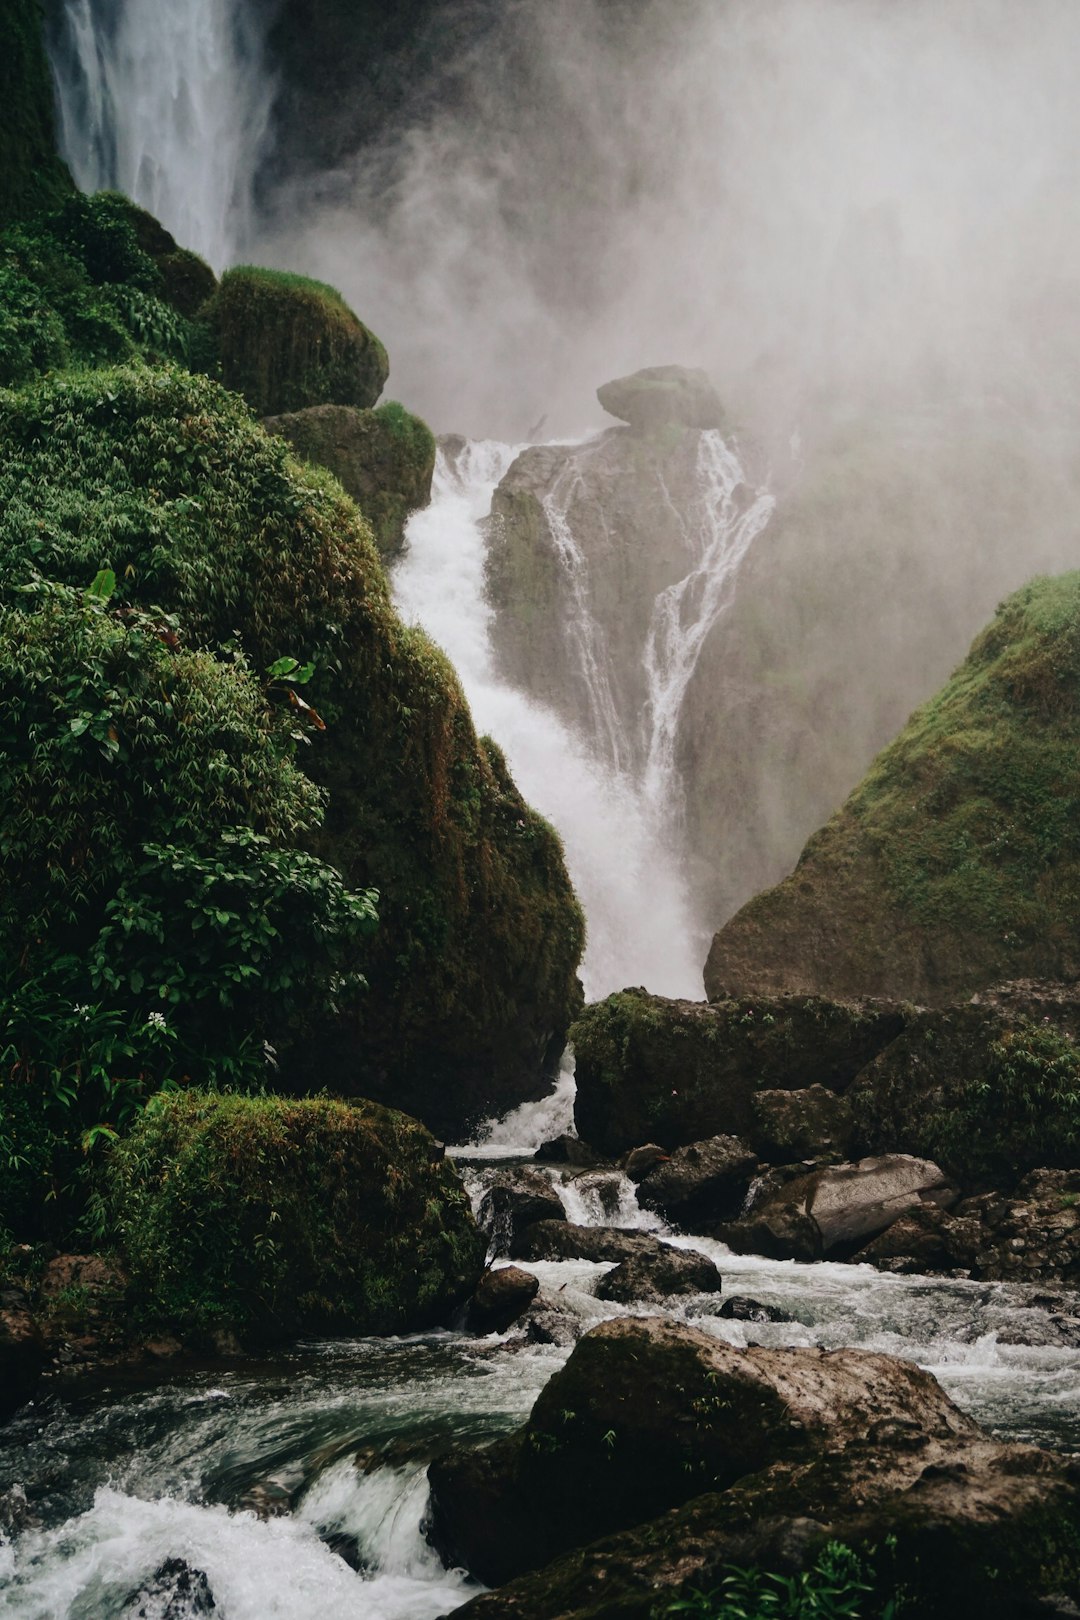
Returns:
<point x="839" y="1585"/>
<point x="272" y="1216"/>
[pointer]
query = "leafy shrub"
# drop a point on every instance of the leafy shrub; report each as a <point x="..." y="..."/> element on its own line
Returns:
<point x="273" y="1216"/>
<point x="839" y="1585"/>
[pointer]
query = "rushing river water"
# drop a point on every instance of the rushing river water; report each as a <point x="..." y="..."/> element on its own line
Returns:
<point x="298" y="1486"/>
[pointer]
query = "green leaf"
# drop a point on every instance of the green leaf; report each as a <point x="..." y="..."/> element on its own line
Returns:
<point x="281" y="667"/>
<point x="102" y="585"/>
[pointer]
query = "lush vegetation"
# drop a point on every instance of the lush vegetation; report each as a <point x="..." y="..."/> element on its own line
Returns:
<point x="286" y="343"/>
<point x="838" y="1585"/>
<point x="268" y="1216"/>
<point x="31" y="175"/>
<point x="956" y="863"/>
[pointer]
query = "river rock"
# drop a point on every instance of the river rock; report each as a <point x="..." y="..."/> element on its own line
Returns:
<point x="811" y="1122"/>
<point x="652" y="1278"/>
<point x="175" y="1592"/>
<point x="647" y="1413"/>
<point x="700" y="1183"/>
<point x="639" y="1161"/>
<point x="562" y="1240"/>
<point x="502" y="1295"/>
<point x="740" y="1308"/>
<point x="516" y="1199"/>
<point x="567" y="1149"/>
<point x="661" y="395"/>
<point x="651" y="1069"/>
<point x="836" y="1209"/>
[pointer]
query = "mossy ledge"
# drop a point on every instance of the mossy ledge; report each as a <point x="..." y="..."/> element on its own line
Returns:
<point x="955" y="865"/>
<point x="286" y="342"/>
<point x="163" y="477"/>
<point x="267" y="1217"/>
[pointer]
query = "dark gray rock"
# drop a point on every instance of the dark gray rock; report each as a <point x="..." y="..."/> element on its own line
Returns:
<point x="567" y="1149"/>
<point x="651" y="1278"/>
<point x="174" y="1592"/>
<point x="641" y="1160"/>
<point x="740" y="1308"/>
<point x="561" y="1240"/>
<point x="514" y="1200"/>
<point x="702" y="1182"/>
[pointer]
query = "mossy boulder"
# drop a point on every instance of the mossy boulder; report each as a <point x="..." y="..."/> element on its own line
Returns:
<point x="988" y="1091"/>
<point x="269" y="1216"/>
<point x="32" y="176"/>
<point x="660" y="396"/>
<point x="384" y="458"/>
<point x="654" y="1070"/>
<point x="186" y="280"/>
<point x="956" y="863"/>
<point x="286" y="343"/>
<point x="164" y="478"/>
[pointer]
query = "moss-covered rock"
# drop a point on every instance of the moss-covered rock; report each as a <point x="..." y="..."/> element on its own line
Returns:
<point x="286" y="343"/>
<point x="384" y="459"/>
<point x="32" y="176"/>
<point x="186" y="280"/>
<point x="271" y="1216"/>
<point x="164" y="478"/>
<point x="673" y="1072"/>
<point x="956" y="863"/>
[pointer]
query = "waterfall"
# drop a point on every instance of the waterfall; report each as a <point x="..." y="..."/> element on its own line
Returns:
<point x="725" y="521"/>
<point x="169" y="102"/>
<point x="641" y="928"/>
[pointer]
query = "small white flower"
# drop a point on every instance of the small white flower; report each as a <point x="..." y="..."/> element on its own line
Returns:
<point x="156" y="1020"/>
<point x="81" y="1011"/>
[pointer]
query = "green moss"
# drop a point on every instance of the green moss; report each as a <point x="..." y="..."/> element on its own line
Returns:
<point x="165" y="479"/>
<point x="286" y="342"/>
<point x="272" y="1217"/>
<point x="32" y="176"/>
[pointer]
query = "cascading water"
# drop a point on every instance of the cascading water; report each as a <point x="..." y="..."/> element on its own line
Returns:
<point x="169" y="103"/>
<point x="725" y="522"/>
<point x="640" y="924"/>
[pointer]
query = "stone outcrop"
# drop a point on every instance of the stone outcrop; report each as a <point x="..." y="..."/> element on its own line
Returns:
<point x="792" y="1448"/>
<point x="953" y="865"/>
<point x="675" y="1072"/>
<point x="515" y="1200"/>
<point x="663" y="396"/>
<point x="562" y="1240"/>
<point x="836" y="1210"/>
<point x="652" y="1278"/>
<point x="701" y="1183"/>
<point x="383" y="458"/>
<point x="502" y="1295"/>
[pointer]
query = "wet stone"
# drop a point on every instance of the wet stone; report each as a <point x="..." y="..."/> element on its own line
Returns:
<point x="654" y="1277"/>
<point x="741" y="1308"/>
<point x="174" y="1592"/>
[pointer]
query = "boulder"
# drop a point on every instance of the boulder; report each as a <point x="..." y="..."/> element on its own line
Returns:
<point x="652" y="1278"/>
<point x="502" y="1295"/>
<point x="985" y="1088"/>
<point x="933" y="879"/>
<point x="740" y="1308"/>
<point x="810" y="1123"/>
<point x="837" y="1208"/>
<point x="648" y="1413"/>
<point x="662" y="396"/>
<point x="567" y="1149"/>
<point x="383" y="458"/>
<point x="314" y="1216"/>
<point x="286" y="342"/>
<point x="702" y="1182"/>
<point x="562" y="1240"/>
<point x="516" y="1199"/>
<point x="639" y="1161"/>
<point x="651" y="1069"/>
<point x="1029" y="1235"/>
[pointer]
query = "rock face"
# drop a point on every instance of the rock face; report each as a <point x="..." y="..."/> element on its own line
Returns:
<point x="501" y="1296"/>
<point x="287" y="343"/>
<point x="562" y="1240"/>
<point x="675" y="1072"/>
<point x="809" y="1123"/>
<point x="31" y="175"/>
<point x="952" y="866"/>
<point x="361" y="1227"/>
<point x="663" y="396"/>
<point x="837" y="1209"/>
<point x="792" y="1449"/>
<point x="383" y="458"/>
<point x="703" y="1182"/>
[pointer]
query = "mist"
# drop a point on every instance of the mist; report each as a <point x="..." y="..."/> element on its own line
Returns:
<point x="827" y="203"/>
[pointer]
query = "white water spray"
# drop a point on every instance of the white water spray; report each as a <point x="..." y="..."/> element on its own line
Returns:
<point x="641" y="927"/>
<point x="170" y="104"/>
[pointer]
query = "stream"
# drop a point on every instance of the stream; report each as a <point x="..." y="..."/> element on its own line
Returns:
<point x="297" y="1485"/>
